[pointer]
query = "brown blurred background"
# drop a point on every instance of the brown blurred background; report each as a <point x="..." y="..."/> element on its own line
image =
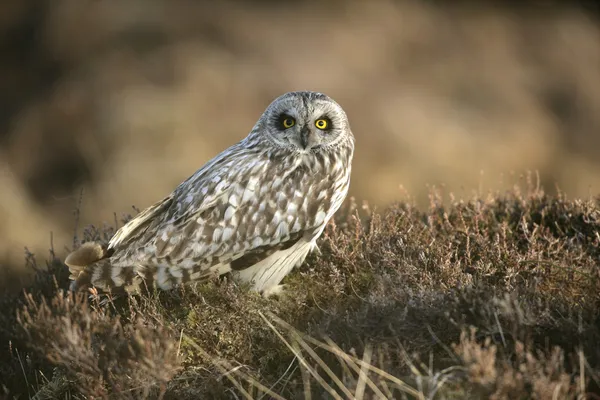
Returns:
<point x="126" y="98"/>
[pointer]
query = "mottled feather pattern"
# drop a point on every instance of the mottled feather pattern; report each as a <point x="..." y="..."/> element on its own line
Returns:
<point x="259" y="204"/>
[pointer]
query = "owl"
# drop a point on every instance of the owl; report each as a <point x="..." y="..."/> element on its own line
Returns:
<point x="254" y="211"/>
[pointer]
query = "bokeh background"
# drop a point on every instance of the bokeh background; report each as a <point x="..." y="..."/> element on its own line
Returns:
<point x="126" y="98"/>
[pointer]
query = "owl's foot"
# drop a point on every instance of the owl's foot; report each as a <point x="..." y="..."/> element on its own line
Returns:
<point x="314" y="248"/>
<point x="276" y="290"/>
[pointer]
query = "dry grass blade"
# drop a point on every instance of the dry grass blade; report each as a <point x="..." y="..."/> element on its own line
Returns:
<point x="398" y="382"/>
<point x="364" y="372"/>
<point x="414" y="370"/>
<point x="358" y="369"/>
<point x="305" y="376"/>
<point x="228" y="370"/>
<point x="314" y="373"/>
<point x="322" y="364"/>
<point x="223" y="370"/>
<point x="347" y="370"/>
<point x="253" y="382"/>
<point x="269" y="390"/>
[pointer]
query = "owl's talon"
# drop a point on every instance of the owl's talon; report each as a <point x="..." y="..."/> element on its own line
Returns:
<point x="276" y="290"/>
<point x="315" y="248"/>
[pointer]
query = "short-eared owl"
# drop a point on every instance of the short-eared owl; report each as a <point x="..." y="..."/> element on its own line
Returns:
<point x="255" y="210"/>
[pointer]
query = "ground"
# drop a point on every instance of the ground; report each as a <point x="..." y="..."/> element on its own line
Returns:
<point x="497" y="296"/>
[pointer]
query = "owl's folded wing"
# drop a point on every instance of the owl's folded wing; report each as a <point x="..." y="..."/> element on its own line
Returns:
<point x="215" y="223"/>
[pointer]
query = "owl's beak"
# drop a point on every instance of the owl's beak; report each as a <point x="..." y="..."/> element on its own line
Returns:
<point x="304" y="134"/>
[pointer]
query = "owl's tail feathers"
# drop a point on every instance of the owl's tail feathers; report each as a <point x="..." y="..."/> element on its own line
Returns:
<point x="90" y="265"/>
<point x="84" y="263"/>
<point x="87" y="254"/>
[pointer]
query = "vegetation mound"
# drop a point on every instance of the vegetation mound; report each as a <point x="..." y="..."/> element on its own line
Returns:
<point x="494" y="297"/>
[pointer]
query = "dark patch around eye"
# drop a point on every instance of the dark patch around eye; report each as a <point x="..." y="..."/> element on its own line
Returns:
<point x="278" y="121"/>
<point x="329" y="123"/>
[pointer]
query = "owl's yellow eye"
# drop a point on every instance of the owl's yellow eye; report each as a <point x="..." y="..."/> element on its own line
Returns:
<point x="288" y="122"/>
<point x="322" y="124"/>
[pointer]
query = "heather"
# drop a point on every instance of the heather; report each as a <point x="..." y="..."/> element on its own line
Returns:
<point x="495" y="296"/>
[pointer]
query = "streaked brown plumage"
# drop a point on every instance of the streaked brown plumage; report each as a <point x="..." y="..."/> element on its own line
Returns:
<point x="255" y="210"/>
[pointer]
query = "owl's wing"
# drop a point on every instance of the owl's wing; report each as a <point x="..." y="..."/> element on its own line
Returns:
<point x="235" y="211"/>
<point x="198" y="193"/>
<point x="140" y="222"/>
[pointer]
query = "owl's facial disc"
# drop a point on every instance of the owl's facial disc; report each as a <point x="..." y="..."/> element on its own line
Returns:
<point x="300" y="135"/>
<point x="304" y="129"/>
<point x="304" y="122"/>
<point x="293" y="133"/>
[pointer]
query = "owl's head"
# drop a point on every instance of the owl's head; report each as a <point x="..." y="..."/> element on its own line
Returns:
<point x="304" y="122"/>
